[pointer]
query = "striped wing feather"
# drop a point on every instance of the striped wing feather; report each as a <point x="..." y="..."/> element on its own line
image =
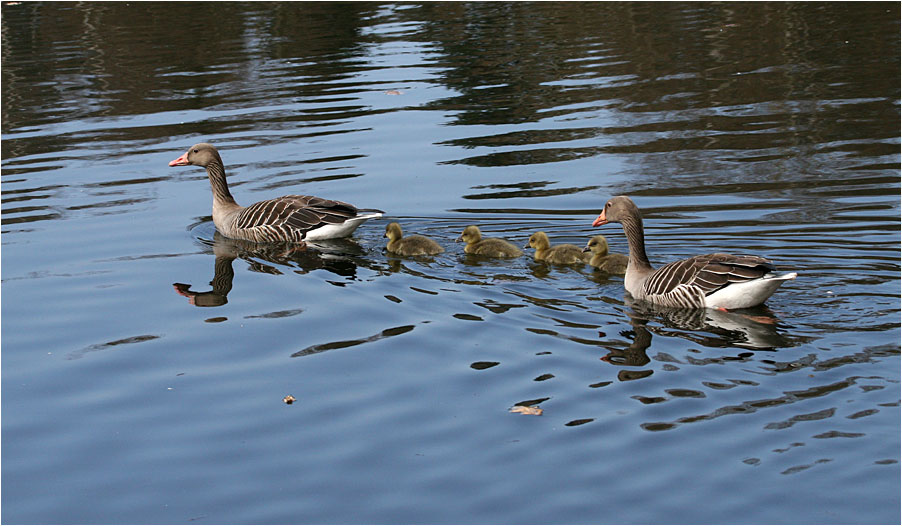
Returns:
<point x="300" y="213"/>
<point x="708" y="273"/>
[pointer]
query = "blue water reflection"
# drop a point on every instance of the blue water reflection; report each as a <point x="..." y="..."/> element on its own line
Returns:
<point x="145" y="358"/>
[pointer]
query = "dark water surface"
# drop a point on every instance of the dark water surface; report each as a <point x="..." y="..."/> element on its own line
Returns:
<point x="754" y="128"/>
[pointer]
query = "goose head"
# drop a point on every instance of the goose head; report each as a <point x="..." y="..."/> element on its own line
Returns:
<point x="201" y="154"/>
<point x="616" y="210"/>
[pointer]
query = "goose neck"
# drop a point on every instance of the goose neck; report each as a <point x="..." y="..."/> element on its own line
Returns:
<point x="221" y="194"/>
<point x="635" y="237"/>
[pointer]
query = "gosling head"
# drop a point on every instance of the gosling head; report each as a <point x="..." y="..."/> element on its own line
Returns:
<point x="393" y="231"/>
<point x="597" y="245"/>
<point x="539" y="240"/>
<point x="471" y="234"/>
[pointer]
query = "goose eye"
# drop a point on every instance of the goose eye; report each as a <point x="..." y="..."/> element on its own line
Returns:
<point x="195" y="150"/>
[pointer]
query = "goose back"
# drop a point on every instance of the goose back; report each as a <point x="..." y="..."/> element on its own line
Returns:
<point x="689" y="282"/>
<point x="289" y="218"/>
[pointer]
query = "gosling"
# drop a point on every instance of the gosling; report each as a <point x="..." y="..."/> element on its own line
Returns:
<point x="414" y="245"/>
<point x="491" y="246"/>
<point x="565" y="254"/>
<point x="597" y="256"/>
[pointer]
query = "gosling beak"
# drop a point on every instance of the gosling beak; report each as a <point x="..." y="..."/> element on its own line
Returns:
<point x="181" y="161"/>
<point x="600" y="220"/>
<point x="586" y="248"/>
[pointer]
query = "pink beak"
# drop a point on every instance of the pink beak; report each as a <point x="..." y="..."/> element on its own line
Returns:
<point x="181" y="161"/>
<point x="600" y="220"/>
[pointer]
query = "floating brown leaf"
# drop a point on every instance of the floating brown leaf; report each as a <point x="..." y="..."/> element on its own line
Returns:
<point x="393" y="92"/>
<point x="526" y="410"/>
<point x="288" y="399"/>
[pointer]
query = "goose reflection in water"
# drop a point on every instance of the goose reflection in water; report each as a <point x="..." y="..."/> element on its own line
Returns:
<point x="756" y="329"/>
<point x="332" y="255"/>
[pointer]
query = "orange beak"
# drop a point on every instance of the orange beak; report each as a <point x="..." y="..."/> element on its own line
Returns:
<point x="181" y="161"/>
<point x="600" y="220"/>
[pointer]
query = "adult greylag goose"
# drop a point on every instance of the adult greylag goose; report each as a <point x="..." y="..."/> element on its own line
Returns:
<point x="598" y="256"/>
<point x="721" y="281"/>
<point x="490" y="246"/>
<point x="565" y="254"/>
<point x="414" y="245"/>
<point x="290" y="218"/>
